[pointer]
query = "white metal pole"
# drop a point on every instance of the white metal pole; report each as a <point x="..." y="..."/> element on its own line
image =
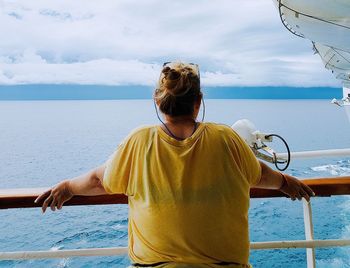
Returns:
<point x="123" y="250"/>
<point x="309" y="234"/>
<point x="24" y="255"/>
<point x="301" y="244"/>
<point x="315" y="154"/>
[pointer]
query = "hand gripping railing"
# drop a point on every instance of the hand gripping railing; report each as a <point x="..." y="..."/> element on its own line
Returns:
<point x="24" y="198"/>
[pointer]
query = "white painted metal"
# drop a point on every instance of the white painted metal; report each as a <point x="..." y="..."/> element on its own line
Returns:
<point x="309" y="234"/>
<point x="315" y="154"/>
<point x="301" y="244"/>
<point x="345" y="101"/>
<point x="335" y="60"/>
<point x="123" y="250"/>
<point x="326" y="23"/>
<point x="322" y="21"/>
<point x="346" y="98"/>
<point x="24" y="255"/>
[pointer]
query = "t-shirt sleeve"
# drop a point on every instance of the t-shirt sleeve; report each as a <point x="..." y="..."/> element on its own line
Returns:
<point x="250" y="166"/>
<point x="117" y="172"/>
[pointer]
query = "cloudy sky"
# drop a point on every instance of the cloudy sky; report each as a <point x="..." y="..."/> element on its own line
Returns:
<point x="125" y="42"/>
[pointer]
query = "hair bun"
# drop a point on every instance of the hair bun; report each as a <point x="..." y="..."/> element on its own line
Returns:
<point x="178" y="89"/>
<point x="171" y="74"/>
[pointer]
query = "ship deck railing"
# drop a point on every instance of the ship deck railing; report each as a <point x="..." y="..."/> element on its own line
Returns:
<point x="323" y="187"/>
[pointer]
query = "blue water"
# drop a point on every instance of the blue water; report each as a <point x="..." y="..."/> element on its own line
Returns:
<point x="43" y="142"/>
<point x="101" y="92"/>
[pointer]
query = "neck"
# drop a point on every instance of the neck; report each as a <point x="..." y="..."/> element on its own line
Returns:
<point x="179" y="127"/>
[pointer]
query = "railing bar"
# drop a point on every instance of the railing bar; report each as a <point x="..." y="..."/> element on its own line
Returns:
<point x="316" y="153"/>
<point x="90" y="252"/>
<point x="309" y="233"/>
<point x="115" y="251"/>
<point x="24" y="198"/>
<point x="301" y="244"/>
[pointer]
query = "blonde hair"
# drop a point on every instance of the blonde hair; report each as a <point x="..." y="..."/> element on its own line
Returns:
<point x="178" y="89"/>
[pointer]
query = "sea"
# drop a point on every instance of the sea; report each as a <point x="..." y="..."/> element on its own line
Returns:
<point x="44" y="142"/>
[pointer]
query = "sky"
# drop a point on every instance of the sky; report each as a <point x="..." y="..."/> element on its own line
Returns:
<point x="125" y="42"/>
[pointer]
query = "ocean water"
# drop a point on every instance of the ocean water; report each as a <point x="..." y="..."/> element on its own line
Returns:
<point x="43" y="142"/>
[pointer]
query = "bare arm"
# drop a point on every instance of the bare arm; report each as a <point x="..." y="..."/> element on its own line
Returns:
<point x="89" y="183"/>
<point x="86" y="184"/>
<point x="287" y="184"/>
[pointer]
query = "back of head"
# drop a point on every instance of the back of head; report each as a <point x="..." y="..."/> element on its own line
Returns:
<point x="178" y="89"/>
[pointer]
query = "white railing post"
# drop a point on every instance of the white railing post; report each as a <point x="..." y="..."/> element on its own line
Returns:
<point x="309" y="234"/>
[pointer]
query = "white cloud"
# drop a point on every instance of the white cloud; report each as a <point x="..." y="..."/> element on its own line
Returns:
<point x="100" y="71"/>
<point x="239" y="42"/>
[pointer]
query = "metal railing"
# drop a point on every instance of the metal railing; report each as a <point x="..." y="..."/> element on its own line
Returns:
<point x="24" y="198"/>
<point x="315" y="154"/>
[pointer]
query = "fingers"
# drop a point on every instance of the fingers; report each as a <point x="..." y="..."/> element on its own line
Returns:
<point x="304" y="194"/>
<point x="59" y="204"/>
<point x="292" y="187"/>
<point x="53" y="204"/>
<point x="55" y="197"/>
<point x="296" y="189"/>
<point x="300" y="195"/>
<point x="307" y="189"/>
<point x="52" y="201"/>
<point x="49" y="200"/>
<point x="41" y="197"/>
<point x="46" y="203"/>
<point x="296" y="196"/>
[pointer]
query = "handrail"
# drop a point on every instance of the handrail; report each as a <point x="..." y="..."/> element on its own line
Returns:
<point x="315" y="154"/>
<point x="24" y="198"/>
<point x="117" y="251"/>
<point x="20" y="198"/>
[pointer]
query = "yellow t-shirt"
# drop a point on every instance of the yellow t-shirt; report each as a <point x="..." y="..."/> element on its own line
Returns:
<point x="188" y="199"/>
